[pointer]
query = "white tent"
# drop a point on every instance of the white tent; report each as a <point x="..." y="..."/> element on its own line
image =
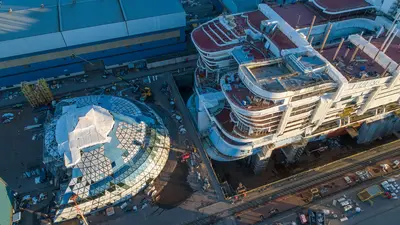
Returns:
<point x="79" y="128"/>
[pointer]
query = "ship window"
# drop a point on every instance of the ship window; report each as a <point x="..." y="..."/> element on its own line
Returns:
<point x="345" y="98"/>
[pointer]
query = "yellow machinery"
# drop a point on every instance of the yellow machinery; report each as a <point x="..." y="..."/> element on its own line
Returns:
<point x="346" y="112"/>
<point x="38" y="94"/>
<point x="146" y="92"/>
<point x="370" y="192"/>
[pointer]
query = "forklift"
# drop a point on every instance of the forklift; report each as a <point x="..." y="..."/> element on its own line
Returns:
<point x="146" y="93"/>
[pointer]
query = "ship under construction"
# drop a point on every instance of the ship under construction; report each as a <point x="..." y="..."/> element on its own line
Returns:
<point x="282" y="76"/>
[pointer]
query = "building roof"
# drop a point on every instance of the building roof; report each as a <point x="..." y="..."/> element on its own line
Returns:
<point x="31" y="26"/>
<point x="6" y="200"/>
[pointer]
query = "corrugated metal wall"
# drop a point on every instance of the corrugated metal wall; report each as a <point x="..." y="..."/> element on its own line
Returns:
<point x="371" y="131"/>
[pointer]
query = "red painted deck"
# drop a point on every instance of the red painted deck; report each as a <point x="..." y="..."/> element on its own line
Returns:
<point x="224" y="120"/>
<point x="240" y="93"/>
<point x="394" y="49"/>
<point x="214" y="36"/>
<point x="350" y="70"/>
<point x="299" y="15"/>
<point x="341" y="5"/>
<point x="257" y="50"/>
<point x="281" y="40"/>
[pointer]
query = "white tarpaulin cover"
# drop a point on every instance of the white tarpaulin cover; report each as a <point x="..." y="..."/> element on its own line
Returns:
<point x="79" y="128"/>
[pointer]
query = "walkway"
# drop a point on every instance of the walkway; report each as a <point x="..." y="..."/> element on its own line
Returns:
<point x="192" y="131"/>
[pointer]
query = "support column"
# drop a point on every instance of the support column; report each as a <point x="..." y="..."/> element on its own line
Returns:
<point x="284" y="119"/>
<point x="203" y="121"/>
<point x="326" y="37"/>
<point x="311" y="27"/>
<point x="260" y="160"/>
<point x="294" y="151"/>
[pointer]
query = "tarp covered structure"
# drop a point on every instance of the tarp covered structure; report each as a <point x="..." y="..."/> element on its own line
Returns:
<point x="79" y="128"/>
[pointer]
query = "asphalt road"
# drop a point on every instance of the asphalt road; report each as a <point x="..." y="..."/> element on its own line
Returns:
<point x="193" y="134"/>
<point x="391" y="216"/>
<point x="382" y="211"/>
<point x="95" y="80"/>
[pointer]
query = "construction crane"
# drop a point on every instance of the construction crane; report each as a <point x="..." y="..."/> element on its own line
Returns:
<point x="73" y="198"/>
<point x="38" y="94"/>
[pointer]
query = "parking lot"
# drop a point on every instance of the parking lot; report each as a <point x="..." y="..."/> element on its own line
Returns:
<point x="346" y="207"/>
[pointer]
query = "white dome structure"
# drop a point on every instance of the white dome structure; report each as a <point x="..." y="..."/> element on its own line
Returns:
<point x="108" y="148"/>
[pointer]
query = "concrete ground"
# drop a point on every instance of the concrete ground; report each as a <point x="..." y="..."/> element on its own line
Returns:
<point x="95" y="81"/>
<point x="20" y="154"/>
<point x="381" y="211"/>
<point x="178" y="201"/>
<point x="23" y="154"/>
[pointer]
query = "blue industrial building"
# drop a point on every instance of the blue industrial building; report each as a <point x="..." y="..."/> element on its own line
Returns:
<point x="49" y="38"/>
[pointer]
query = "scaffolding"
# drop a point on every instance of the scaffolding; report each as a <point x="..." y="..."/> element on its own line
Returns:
<point x="38" y="94"/>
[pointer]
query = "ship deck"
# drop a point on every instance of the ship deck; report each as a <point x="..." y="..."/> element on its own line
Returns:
<point x="215" y="36"/>
<point x="281" y="40"/>
<point x="276" y="77"/>
<point x="334" y="6"/>
<point x="300" y="15"/>
<point x="242" y="97"/>
<point x="394" y="49"/>
<point x="291" y="13"/>
<point x="362" y="63"/>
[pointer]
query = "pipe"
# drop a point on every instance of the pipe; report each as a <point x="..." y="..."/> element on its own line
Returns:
<point x="311" y="27"/>
<point x="338" y="49"/>
<point x="390" y="41"/>
<point x="386" y="69"/>
<point x="346" y="53"/>
<point x="326" y="38"/>
<point x="354" y="53"/>
<point x="394" y="21"/>
<point x="312" y="39"/>
<point x="387" y="38"/>
<point x="380" y="32"/>
<point x="298" y="21"/>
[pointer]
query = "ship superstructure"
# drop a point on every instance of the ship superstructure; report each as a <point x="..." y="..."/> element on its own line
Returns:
<point x="266" y="82"/>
